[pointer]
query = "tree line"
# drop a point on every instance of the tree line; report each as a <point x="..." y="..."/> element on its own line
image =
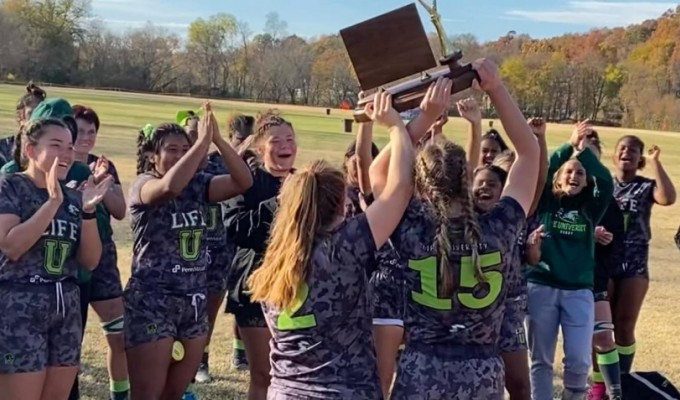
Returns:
<point x="623" y="76"/>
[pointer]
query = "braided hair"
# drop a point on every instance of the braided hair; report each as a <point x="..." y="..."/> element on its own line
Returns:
<point x="150" y="141"/>
<point x="441" y="178"/>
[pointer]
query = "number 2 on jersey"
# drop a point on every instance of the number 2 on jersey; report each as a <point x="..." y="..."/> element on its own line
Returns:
<point x="286" y="321"/>
<point x="429" y="283"/>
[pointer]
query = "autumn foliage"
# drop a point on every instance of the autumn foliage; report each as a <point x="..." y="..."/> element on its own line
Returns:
<point x="623" y="76"/>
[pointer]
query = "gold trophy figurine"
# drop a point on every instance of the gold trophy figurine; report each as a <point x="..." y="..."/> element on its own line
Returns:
<point x="444" y="45"/>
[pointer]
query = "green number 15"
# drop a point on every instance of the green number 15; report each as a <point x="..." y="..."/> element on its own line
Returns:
<point x="428" y="296"/>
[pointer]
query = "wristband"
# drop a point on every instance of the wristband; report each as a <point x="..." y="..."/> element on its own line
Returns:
<point x="87" y="215"/>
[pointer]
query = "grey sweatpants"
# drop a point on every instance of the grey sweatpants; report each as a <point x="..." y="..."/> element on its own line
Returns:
<point x="550" y="309"/>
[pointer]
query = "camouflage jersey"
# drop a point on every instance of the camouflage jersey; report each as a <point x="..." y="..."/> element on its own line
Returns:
<point x="6" y="149"/>
<point x="472" y="315"/>
<point x="216" y="235"/>
<point x="352" y="202"/>
<point x="323" y="346"/>
<point x="247" y="218"/>
<point x="635" y="199"/>
<point x="53" y="256"/>
<point x="168" y="254"/>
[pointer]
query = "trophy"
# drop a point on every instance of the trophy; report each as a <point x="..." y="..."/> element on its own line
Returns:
<point x="391" y="47"/>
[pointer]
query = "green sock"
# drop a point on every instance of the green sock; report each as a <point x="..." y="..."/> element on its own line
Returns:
<point x="610" y="369"/>
<point x="626" y="355"/>
<point x="597" y="377"/>
<point x="119" y="389"/>
<point x="238" y="344"/>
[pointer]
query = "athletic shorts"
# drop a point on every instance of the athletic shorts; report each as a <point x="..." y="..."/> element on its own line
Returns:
<point x="246" y="314"/>
<point x="150" y="316"/>
<point x="218" y="268"/>
<point x="513" y="335"/>
<point x="426" y="375"/>
<point x="40" y="327"/>
<point x="277" y="392"/>
<point x="636" y="268"/>
<point x="105" y="283"/>
<point x="388" y="295"/>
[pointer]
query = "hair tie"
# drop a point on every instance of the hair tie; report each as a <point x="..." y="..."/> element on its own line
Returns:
<point x="148" y="131"/>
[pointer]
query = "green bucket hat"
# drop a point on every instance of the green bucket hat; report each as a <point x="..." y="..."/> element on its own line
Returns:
<point x="56" y="108"/>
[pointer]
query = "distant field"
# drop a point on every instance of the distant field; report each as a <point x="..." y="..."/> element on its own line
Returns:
<point x="320" y="136"/>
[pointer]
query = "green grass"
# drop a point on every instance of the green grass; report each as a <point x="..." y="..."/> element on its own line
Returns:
<point x="320" y="136"/>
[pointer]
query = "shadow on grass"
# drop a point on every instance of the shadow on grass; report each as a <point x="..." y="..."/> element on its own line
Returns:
<point x="94" y="385"/>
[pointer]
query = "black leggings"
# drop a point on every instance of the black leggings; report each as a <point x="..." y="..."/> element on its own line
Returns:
<point x="84" y="304"/>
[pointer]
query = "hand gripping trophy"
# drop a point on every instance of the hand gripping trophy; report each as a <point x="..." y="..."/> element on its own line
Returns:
<point x="394" y="46"/>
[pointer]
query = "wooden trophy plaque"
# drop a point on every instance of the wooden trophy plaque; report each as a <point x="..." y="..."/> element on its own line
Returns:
<point x="394" y="46"/>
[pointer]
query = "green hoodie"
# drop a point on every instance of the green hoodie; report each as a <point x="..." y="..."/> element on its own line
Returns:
<point x="568" y="249"/>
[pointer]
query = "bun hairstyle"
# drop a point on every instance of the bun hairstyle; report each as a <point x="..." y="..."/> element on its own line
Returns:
<point x="34" y="95"/>
<point x="150" y="141"/>
<point x="240" y="126"/>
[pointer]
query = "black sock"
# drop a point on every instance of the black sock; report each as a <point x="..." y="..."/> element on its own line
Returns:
<point x="626" y="356"/>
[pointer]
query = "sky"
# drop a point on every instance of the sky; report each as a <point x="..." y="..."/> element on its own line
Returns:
<point x="486" y="19"/>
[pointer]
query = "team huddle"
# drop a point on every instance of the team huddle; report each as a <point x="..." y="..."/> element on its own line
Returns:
<point x="425" y="270"/>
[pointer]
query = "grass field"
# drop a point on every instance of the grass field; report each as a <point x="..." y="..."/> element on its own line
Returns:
<point x="320" y="136"/>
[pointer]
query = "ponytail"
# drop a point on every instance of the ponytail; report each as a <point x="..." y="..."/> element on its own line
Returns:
<point x="305" y="201"/>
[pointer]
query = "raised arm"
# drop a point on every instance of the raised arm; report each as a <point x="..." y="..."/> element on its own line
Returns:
<point x="239" y="179"/>
<point x="431" y="108"/>
<point x="469" y="109"/>
<point x="523" y="175"/>
<point x="538" y="126"/>
<point x="385" y="212"/>
<point x="364" y="156"/>
<point x="90" y="247"/>
<point x="603" y="188"/>
<point x="178" y="177"/>
<point x="664" y="192"/>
